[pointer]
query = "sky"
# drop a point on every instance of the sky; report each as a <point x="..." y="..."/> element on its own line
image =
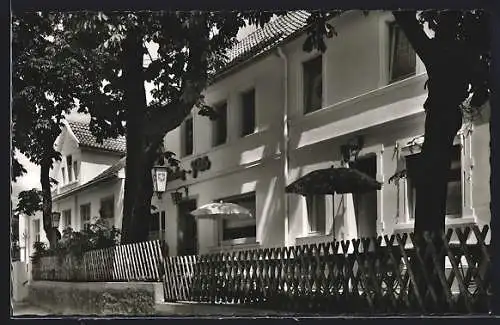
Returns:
<point x="32" y="178"/>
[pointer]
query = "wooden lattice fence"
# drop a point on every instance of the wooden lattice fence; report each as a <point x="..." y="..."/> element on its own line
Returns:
<point x="132" y="262"/>
<point x="375" y="275"/>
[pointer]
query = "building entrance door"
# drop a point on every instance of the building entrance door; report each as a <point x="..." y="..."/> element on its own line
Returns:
<point x="187" y="231"/>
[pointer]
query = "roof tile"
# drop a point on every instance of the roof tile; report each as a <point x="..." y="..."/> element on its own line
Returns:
<point x="87" y="139"/>
<point x="266" y="37"/>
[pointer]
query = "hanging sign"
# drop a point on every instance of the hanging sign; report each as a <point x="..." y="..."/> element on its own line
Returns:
<point x="200" y="165"/>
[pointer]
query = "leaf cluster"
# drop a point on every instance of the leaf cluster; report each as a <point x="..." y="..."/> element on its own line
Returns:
<point x="96" y="236"/>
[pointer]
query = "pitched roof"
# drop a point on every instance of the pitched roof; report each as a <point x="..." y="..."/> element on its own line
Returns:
<point x="267" y="37"/>
<point x="86" y="138"/>
<point x="111" y="171"/>
<point x="107" y="174"/>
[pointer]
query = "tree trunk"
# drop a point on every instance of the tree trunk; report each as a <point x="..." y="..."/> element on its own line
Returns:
<point x="135" y="101"/>
<point x="47" y="202"/>
<point x="443" y="121"/>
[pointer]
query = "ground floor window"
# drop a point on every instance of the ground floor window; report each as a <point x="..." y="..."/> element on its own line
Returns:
<point x="66" y="218"/>
<point x="85" y="215"/>
<point x="36" y="230"/>
<point x="107" y="210"/>
<point x="459" y="197"/>
<point x="239" y="229"/>
<point x="157" y="226"/>
<point x="319" y="212"/>
<point x="454" y="193"/>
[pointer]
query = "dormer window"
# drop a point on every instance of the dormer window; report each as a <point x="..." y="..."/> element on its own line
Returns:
<point x="63" y="173"/>
<point x="69" y="165"/>
<point x="75" y="169"/>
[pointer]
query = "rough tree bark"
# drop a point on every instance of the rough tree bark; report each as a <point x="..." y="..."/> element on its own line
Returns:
<point x="47" y="202"/>
<point x="135" y="101"/>
<point x="146" y="127"/>
<point x="447" y="89"/>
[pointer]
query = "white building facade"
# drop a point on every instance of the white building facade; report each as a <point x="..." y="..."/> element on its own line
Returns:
<point x="283" y="113"/>
<point x="286" y="112"/>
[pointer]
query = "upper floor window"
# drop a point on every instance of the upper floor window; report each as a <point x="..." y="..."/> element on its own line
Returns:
<point x="187" y="137"/>
<point x="402" y="62"/>
<point x="239" y="229"/>
<point x="36" y="230"/>
<point x="313" y="84"/>
<point x="69" y="165"/>
<point x="220" y="125"/>
<point x="76" y="170"/>
<point x="66" y="218"/>
<point x="63" y="173"/>
<point x="85" y="215"/>
<point x="248" y="112"/>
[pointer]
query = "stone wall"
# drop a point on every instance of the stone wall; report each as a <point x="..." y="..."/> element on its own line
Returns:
<point x="96" y="298"/>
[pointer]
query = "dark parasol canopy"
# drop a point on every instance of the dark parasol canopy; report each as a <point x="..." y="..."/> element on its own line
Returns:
<point x="334" y="180"/>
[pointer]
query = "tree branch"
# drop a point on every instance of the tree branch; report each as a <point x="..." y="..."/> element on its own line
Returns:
<point x="166" y="118"/>
<point x="414" y="31"/>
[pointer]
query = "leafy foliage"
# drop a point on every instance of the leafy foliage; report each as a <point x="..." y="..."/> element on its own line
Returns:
<point x="29" y="202"/>
<point x="96" y="236"/>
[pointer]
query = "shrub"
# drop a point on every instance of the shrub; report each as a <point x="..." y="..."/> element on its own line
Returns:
<point x="95" y="236"/>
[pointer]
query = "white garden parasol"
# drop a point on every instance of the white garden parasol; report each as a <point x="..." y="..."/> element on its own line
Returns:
<point x="221" y="210"/>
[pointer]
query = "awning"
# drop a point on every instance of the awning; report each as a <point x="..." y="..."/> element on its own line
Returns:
<point x="334" y="180"/>
<point x="221" y="210"/>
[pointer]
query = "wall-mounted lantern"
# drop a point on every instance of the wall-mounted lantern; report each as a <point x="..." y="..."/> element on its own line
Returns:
<point x="159" y="174"/>
<point x="56" y="217"/>
<point x="177" y="196"/>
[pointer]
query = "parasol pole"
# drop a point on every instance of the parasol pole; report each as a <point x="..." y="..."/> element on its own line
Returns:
<point x="349" y="211"/>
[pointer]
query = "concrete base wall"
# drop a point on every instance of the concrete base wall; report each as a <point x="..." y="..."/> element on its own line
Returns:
<point x="20" y="277"/>
<point x="96" y="298"/>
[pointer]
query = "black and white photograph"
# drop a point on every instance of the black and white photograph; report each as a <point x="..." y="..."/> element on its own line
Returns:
<point x="261" y="163"/>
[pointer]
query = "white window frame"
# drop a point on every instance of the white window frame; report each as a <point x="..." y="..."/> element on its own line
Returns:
<point x="242" y="113"/>
<point x="69" y="168"/>
<point x="392" y="44"/>
<point x="36" y="230"/>
<point x="64" y="218"/>
<point x="63" y="174"/>
<point x="108" y="198"/>
<point x="314" y="217"/>
<point x="76" y="170"/>
<point x="238" y="241"/>
<point x="464" y="140"/>
<point x="311" y="56"/>
<point x="82" y="221"/>
<point x="386" y="18"/>
<point x="215" y="124"/>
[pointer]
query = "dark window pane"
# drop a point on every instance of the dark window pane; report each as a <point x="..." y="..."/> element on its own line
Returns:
<point x="107" y="208"/>
<point x="163" y="220"/>
<point x="403" y="57"/>
<point x="188" y="136"/>
<point x="313" y="86"/>
<point x="248" y="113"/>
<point x="69" y="164"/>
<point x="235" y="229"/>
<point x="220" y="125"/>
<point x="154" y="224"/>
<point x="241" y="232"/>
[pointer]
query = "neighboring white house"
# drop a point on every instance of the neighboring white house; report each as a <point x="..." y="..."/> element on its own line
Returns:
<point x="286" y="112"/>
<point x="283" y="113"/>
<point x="86" y="182"/>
